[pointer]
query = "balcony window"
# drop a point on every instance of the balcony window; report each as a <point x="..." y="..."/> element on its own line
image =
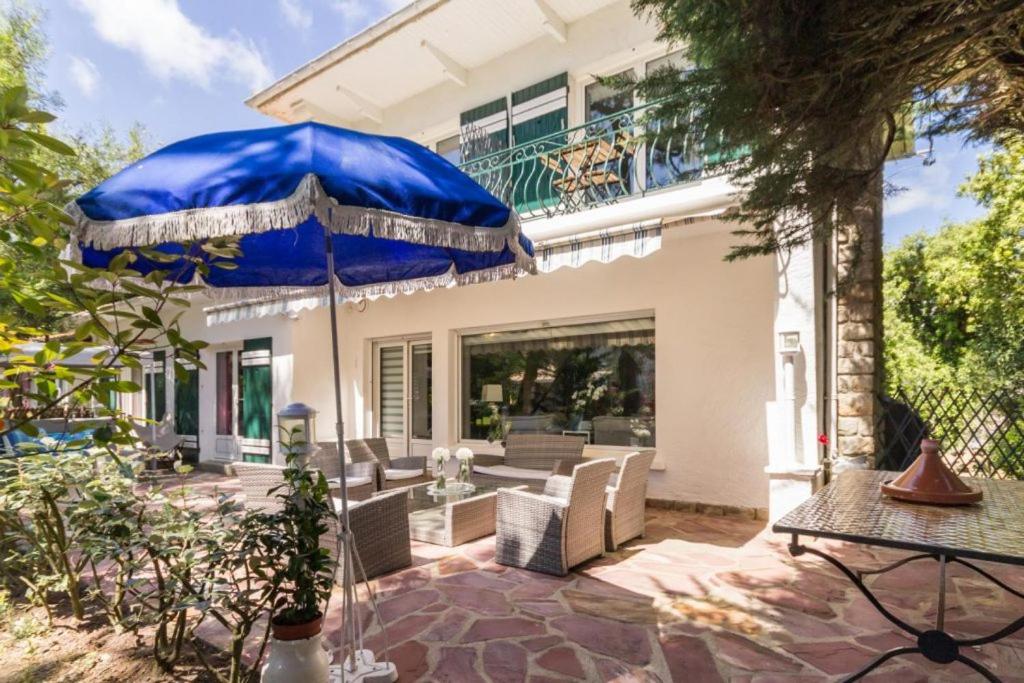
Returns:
<point x="671" y="157"/>
<point x="592" y="379"/>
<point x="450" y="148"/>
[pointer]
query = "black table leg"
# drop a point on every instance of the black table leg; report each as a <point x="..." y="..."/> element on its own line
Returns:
<point x="935" y="644"/>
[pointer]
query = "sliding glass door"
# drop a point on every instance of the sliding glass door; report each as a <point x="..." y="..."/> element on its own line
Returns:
<point x="403" y="396"/>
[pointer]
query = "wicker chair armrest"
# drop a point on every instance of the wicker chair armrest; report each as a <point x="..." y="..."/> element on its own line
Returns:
<point x="415" y="462"/>
<point x="530" y="530"/>
<point x="488" y="459"/>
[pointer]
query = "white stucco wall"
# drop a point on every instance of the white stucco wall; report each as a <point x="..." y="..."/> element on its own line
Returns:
<point x="714" y="354"/>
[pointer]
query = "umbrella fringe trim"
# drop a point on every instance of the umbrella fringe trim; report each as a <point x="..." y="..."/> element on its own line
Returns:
<point x="247" y="296"/>
<point x="308" y="199"/>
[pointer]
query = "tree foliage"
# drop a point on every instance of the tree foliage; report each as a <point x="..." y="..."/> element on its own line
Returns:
<point x="98" y="152"/>
<point x="817" y="92"/>
<point x="954" y="300"/>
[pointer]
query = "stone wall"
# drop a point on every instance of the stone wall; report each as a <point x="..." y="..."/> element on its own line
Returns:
<point x="859" y="331"/>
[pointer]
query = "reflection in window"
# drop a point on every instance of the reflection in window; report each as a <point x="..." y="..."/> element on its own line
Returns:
<point x="672" y="156"/>
<point x="596" y="379"/>
<point x="608" y="170"/>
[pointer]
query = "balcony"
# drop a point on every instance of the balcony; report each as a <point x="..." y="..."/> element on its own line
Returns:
<point x="604" y="161"/>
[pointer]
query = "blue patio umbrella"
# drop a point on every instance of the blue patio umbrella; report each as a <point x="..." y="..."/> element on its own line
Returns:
<point x="384" y="215"/>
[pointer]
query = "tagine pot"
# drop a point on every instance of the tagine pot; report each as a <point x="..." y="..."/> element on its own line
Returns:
<point x="297" y="654"/>
<point x="929" y="480"/>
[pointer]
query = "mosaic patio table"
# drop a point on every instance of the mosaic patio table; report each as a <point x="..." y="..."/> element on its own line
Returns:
<point x="456" y="518"/>
<point x="852" y="509"/>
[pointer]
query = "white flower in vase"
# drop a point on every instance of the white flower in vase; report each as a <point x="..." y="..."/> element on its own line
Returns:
<point x="441" y="456"/>
<point x="465" y="458"/>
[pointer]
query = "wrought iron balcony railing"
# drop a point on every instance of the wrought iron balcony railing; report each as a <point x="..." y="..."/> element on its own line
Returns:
<point x="603" y="161"/>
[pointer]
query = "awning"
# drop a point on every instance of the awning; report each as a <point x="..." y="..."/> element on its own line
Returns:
<point x="83" y="358"/>
<point x="603" y="246"/>
<point x="615" y="333"/>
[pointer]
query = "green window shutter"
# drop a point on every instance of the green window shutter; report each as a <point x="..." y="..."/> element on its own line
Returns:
<point x="539" y="113"/>
<point x="186" y="404"/>
<point x="156" y="387"/>
<point x="255" y="416"/>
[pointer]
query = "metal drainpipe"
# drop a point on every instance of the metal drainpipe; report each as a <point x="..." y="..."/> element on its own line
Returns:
<point x="830" y="416"/>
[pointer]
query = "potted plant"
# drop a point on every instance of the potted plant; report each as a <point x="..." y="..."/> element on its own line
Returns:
<point x="305" y="575"/>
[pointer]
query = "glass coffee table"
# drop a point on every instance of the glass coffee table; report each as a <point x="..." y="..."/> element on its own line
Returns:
<point x="455" y="518"/>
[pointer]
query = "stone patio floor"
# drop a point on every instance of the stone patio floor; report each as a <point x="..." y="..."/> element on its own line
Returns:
<point x="700" y="598"/>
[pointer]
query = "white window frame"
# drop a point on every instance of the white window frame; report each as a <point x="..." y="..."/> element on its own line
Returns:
<point x="455" y="409"/>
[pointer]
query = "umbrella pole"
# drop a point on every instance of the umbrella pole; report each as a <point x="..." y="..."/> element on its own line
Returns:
<point x="361" y="664"/>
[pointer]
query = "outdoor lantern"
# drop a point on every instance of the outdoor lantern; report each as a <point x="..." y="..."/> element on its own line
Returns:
<point x="491" y="393"/>
<point x="297" y="422"/>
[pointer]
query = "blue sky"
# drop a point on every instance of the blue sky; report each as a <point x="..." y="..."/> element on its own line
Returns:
<point x="184" y="67"/>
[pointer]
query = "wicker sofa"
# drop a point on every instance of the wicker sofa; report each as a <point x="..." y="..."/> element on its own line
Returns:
<point x="380" y="525"/>
<point x="626" y="500"/>
<point x="397" y="471"/>
<point x="555" y="531"/>
<point x="532" y="458"/>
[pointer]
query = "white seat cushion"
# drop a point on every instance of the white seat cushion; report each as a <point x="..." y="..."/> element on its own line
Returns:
<point x="509" y="472"/>
<point x="392" y="475"/>
<point x="350" y="482"/>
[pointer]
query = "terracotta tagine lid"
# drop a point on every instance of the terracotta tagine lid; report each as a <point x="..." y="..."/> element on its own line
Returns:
<point x="929" y="480"/>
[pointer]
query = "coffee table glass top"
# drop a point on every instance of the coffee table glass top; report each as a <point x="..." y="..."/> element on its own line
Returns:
<point x="420" y="500"/>
<point x="852" y="508"/>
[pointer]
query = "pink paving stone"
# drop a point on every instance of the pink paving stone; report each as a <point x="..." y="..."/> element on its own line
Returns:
<point x="626" y="642"/>
<point x="436" y="607"/>
<point x="455" y="565"/>
<point x="448" y="626"/>
<point x="542" y="643"/>
<point x="538" y="588"/>
<point x="410" y="658"/>
<point x="746" y="654"/>
<point x="481" y="551"/>
<point x="562" y="660"/>
<point x="758" y="578"/>
<point x="542" y="608"/>
<point x="403" y="581"/>
<point x="613" y="671"/>
<point x="800" y="625"/>
<point x="791" y="599"/>
<point x="885" y="641"/>
<point x="407" y="604"/>
<point x="505" y="662"/>
<point x="480" y="601"/>
<point x="689" y="659"/>
<point x="511" y="627"/>
<point x="862" y="616"/>
<point x="456" y="665"/>
<point x="833" y="657"/>
<point x="402" y="630"/>
<point x="544" y="679"/>
<point x="471" y="579"/>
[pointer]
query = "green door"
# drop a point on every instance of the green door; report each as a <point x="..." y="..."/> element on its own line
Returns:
<point x="255" y="387"/>
<point x="155" y="386"/>
<point x="186" y="409"/>
<point x="540" y="114"/>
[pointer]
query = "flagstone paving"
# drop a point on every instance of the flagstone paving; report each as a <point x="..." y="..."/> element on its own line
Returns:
<point x="700" y="598"/>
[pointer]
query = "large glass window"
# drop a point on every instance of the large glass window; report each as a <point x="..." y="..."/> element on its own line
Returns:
<point x="593" y="379"/>
<point x="672" y="155"/>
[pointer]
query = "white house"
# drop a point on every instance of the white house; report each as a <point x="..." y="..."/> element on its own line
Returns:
<point x="635" y="334"/>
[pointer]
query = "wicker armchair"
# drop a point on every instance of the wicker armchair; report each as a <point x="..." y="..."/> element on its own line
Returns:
<point x="530" y="458"/>
<point x="624" y="506"/>
<point x="380" y="525"/>
<point x="399" y="471"/>
<point x="360" y="477"/>
<point x="552" y="534"/>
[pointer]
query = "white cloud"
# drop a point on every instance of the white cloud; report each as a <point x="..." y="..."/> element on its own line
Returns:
<point x="295" y="13"/>
<point x="85" y="75"/>
<point x="172" y="46"/>
<point x="357" y="14"/>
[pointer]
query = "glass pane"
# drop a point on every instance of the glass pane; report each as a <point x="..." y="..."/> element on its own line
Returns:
<point x="603" y="101"/>
<point x="450" y="149"/>
<point x="392" y="397"/>
<point x="596" y="379"/>
<point x="422" y="391"/>
<point x="672" y="156"/>
<point x="224" y="407"/>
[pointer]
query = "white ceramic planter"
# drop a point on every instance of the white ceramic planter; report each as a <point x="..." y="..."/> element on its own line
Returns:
<point x="291" y="661"/>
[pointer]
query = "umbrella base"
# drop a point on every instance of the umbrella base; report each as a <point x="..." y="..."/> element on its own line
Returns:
<point x="367" y="670"/>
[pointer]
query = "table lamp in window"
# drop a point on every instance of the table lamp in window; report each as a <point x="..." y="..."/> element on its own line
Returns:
<point x="493" y="395"/>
